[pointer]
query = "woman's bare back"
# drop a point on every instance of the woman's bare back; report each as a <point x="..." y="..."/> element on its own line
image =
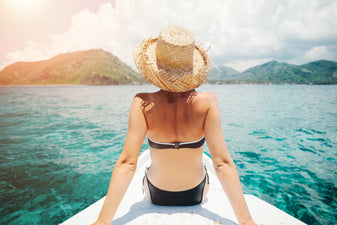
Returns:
<point x="175" y="117"/>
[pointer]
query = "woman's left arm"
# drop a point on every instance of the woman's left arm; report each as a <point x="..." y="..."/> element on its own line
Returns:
<point x="126" y="165"/>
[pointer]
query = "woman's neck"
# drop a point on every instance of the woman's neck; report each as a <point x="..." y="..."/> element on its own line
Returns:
<point x="172" y="96"/>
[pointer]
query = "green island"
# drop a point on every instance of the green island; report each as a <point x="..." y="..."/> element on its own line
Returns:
<point x="99" y="67"/>
<point x="89" y="67"/>
<point x="274" y="72"/>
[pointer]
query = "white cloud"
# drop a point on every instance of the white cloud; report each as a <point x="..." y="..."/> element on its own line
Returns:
<point x="33" y="50"/>
<point x="242" y="65"/>
<point x="313" y="21"/>
<point x="319" y="52"/>
<point x="242" y="33"/>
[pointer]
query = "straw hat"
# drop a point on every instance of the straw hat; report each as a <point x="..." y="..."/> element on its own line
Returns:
<point x="172" y="61"/>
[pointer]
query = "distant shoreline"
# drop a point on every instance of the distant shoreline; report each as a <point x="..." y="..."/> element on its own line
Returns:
<point x="67" y="85"/>
<point x="264" y="83"/>
<point x="48" y="85"/>
<point x="86" y="85"/>
<point x="99" y="67"/>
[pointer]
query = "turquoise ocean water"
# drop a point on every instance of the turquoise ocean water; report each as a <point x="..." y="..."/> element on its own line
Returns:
<point x="58" y="146"/>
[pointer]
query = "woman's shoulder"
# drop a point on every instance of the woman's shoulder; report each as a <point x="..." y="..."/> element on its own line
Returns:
<point x="207" y="96"/>
<point x="142" y="95"/>
<point x="146" y="94"/>
<point x="145" y="99"/>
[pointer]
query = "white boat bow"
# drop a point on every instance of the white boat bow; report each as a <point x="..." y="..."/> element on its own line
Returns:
<point x="136" y="209"/>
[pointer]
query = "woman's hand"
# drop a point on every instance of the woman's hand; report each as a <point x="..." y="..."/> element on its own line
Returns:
<point x="250" y="222"/>
<point x="99" y="222"/>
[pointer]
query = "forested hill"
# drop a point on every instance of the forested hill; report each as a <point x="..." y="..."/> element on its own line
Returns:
<point x="90" y="67"/>
<point x="99" y="67"/>
<point x="317" y="72"/>
<point x="222" y="73"/>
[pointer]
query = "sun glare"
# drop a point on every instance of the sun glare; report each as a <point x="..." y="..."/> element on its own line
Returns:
<point x="24" y="5"/>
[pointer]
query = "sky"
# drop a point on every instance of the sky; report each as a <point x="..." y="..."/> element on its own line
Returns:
<point x="241" y="33"/>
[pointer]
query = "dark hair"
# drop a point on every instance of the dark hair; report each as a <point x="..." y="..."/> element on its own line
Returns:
<point x="171" y="96"/>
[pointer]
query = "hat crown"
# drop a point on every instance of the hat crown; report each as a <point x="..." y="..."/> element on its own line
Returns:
<point x="175" y="49"/>
<point x="172" y="61"/>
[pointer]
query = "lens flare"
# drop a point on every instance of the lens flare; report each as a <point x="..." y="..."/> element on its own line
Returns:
<point x="23" y="5"/>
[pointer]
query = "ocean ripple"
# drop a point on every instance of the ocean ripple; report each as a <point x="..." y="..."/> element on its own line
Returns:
<point x="58" y="146"/>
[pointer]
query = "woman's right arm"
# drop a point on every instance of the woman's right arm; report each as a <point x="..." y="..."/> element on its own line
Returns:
<point x="126" y="164"/>
<point x="223" y="163"/>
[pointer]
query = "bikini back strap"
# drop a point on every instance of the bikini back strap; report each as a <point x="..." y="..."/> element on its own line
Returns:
<point x="176" y="145"/>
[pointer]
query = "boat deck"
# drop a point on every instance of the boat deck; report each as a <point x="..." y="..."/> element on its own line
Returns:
<point x="136" y="209"/>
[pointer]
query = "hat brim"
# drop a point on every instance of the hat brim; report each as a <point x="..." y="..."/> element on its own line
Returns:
<point x="168" y="79"/>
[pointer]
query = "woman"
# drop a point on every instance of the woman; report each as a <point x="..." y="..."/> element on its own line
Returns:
<point x="177" y="120"/>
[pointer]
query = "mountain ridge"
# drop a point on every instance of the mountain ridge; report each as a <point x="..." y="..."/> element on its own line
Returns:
<point x="99" y="67"/>
<point x="316" y="72"/>
<point x="87" y="67"/>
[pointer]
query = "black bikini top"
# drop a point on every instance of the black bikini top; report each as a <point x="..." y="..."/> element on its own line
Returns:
<point x="176" y="145"/>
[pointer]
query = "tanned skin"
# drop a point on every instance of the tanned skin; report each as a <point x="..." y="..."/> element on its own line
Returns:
<point x="175" y="117"/>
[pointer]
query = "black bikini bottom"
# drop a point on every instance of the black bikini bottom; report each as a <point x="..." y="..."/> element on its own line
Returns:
<point x="177" y="198"/>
